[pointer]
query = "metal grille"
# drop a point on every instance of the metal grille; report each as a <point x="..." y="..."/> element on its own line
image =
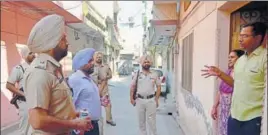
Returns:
<point x="187" y="62"/>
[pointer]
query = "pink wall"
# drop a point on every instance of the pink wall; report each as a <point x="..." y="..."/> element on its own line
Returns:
<point x="165" y="11"/>
<point x="211" y="29"/>
<point x="15" y="28"/>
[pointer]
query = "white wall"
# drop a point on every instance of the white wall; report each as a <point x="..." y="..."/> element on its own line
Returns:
<point x="105" y="8"/>
<point x="81" y="42"/>
<point x="73" y="7"/>
<point x="196" y="106"/>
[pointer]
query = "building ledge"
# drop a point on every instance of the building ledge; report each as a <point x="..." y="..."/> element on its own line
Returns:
<point x="163" y="22"/>
<point x="46" y="8"/>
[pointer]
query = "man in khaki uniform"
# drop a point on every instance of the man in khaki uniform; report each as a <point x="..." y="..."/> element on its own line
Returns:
<point x="102" y="73"/>
<point x="16" y="77"/>
<point x="147" y="98"/>
<point x="51" y="110"/>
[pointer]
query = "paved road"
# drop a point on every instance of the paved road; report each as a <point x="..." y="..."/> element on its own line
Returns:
<point x="125" y="114"/>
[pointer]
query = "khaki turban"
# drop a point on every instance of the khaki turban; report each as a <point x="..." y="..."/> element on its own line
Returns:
<point x="24" y="51"/>
<point x="46" y="34"/>
<point x="146" y="57"/>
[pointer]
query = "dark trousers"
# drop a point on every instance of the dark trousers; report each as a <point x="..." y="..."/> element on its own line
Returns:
<point x="94" y="131"/>
<point x="251" y="127"/>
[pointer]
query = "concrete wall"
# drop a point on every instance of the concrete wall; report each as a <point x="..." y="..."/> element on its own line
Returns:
<point x="210" y="27"/>
<point x="77" y="42"/>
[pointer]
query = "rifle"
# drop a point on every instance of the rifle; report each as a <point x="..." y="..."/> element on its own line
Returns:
<point x="17" y="97"/>
<point x="136" y="86"/>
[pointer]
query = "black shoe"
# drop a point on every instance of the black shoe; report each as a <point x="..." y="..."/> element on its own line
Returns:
<point x="111" y="123"/>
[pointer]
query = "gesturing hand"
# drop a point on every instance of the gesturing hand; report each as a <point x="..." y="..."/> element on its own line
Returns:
<point x="211" y="71"/>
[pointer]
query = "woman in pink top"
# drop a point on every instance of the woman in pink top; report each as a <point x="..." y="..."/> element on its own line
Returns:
<point x="221" y="108"/>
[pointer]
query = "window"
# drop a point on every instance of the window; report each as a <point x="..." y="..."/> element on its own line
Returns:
<point x="168" y="60"/>
<point x="186" y="5"/>
<point x="187" y="62"/>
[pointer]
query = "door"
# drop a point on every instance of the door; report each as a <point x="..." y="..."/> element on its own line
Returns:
<point x="253" y="12"/>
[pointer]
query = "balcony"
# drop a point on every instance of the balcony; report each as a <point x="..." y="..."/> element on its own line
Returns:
<point x="164" y="23"/>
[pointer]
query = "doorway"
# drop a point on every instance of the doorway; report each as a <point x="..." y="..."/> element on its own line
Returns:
<point x="253" y="12"/>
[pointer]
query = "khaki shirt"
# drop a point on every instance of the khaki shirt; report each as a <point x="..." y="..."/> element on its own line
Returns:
<point x="95" y="74"/>
<point x="249" y="84"/>
<point x="102" y="72"/>
<point x="45" y="88"/>
<point x="16" y="75"/>
<point x="146" y="83"/>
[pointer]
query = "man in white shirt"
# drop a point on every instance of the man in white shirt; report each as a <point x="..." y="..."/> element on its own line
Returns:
<point x="16" y="77"/>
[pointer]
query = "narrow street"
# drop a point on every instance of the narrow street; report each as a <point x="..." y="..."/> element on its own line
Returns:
<point x="125" y="115"/>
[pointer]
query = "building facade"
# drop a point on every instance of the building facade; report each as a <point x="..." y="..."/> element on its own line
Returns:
<point x="105" y="23"/>
<point x="17" y="20"/>
<point x="208" y="31"/>
<point x="205" y="34"/>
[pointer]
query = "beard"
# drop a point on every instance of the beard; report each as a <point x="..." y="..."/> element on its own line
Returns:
<point x="146" y="67"/>
<point x="90" y="70"/>
<point x="60" y="53"/>
<point x="99" y="61"/>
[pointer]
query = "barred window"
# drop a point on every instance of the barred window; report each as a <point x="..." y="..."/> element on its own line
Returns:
<point x="187" y="62"/>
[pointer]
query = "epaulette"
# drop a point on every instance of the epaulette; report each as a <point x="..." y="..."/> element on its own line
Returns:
<point x="18" y="67"/>
<point x="107" y="65"/>
<point x="42" y="65"/>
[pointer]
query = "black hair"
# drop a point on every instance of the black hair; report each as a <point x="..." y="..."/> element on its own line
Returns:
<point x="258" y="28"/>
<point x="238" y="52"/>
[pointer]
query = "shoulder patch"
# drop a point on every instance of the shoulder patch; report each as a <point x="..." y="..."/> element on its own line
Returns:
<point x="17" y="67"/>
<point x="41" y="65"/>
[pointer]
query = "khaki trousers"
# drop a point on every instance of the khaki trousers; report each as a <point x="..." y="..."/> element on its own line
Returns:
<point x="146" y="109"/>
<point x="108" y="111"/>
<point x="23" y="115"/>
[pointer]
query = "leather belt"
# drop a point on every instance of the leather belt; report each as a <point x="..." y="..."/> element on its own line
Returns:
<point x="145" y="97"/>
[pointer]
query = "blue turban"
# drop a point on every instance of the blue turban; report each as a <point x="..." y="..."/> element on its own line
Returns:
<point x="82" y="58"/>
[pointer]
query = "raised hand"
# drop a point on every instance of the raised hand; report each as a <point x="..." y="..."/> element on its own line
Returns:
<point x="210" y="71"/>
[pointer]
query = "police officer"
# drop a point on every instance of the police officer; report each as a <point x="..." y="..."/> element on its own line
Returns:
<point x="146" y="100"/>
<point x="51" y="110"/>
<point x="102" y="73"/>
<point x="16" y="77"/>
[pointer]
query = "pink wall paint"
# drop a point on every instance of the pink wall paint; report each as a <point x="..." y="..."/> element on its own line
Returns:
<point x="211" y="28"/>
<point x="15" y="28"/>
<point x="165" y="11"/>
